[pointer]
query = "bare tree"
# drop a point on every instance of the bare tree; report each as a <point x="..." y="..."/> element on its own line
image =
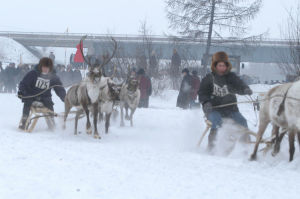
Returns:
<point x="123" y="61"/>
<point x="145" y="31"/>
<point x="290" y="65"/>
<point x="147" y="48"/>
<point x="211" y="18"/>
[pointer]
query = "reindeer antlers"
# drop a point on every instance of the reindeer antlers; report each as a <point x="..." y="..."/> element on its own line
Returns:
<point x="104" y="62"/>
<point x="81" y="50"/>
<point x="113" y="54"/>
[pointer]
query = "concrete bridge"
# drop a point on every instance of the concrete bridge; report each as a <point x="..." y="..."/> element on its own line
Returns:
<point x="265" y="51"/>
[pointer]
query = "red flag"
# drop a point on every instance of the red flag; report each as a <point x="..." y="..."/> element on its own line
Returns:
<point x="78" y="56"/>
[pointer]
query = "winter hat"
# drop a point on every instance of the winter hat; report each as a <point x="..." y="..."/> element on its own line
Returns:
<point x="185" y="70"/>
<point x="220" y="57"/>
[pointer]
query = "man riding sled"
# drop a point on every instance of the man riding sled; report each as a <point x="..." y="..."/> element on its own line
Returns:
<point x="219" y="88"/>
<point x="37" y="85"/>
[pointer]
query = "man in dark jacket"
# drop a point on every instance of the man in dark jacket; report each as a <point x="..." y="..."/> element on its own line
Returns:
<point x="153" y="69"/>
<point x="52" y="57"/>
<point x="145" y="88"/>
<point x="175" y="66"/>
<point x="219" y="88"/>
<point x="195" y="87"/>
<point x="10" y="76"/>
<point x="42" y="78"/>
<point x="175" y="63"/>
<point x="184" y="96"/>
<point x="1" y="78"/>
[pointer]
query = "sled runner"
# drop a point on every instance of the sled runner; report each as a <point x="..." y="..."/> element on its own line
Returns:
<point x="37" y="111"/>
<point x="269" y="142"/>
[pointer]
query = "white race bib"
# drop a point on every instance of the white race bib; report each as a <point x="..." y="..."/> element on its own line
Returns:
<point x="42" y="83"/>
<point x="220" y="91"/>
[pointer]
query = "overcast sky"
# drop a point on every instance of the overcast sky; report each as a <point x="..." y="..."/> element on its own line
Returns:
<point x="114" y="16"/>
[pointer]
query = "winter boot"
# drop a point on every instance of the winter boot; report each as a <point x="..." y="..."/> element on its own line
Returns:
<point x="22" y="124"/>
<point x="211" y="139"/>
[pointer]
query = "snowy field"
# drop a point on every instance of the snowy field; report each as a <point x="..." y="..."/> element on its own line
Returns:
<point x="156" y="159"/>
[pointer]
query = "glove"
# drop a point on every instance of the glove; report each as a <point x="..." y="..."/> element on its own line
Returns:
<point x="248" y="91"/>
<point x="207" y="108"/>
<point x="20" y="94"/>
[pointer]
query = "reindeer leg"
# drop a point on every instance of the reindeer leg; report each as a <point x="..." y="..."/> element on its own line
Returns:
<point x="292" y="144"/>
<point x="277" y="143"/>
<point x="78" y="113"/>
<point x="126" y="110"/>
<point x="100" y="116"/>
<point x="262" y="127"/>
<point x="131" y="117"/>
<point x="275" y="133"/>
<point x="67" y="111"/>
<point x="95" y="113"/>
<point x="122" y="116"/>
<point x="298" y="135"/>
<point x="88" y="123"/>
<point x="107" y="122"/>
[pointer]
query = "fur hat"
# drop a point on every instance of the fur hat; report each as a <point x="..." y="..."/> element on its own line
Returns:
<point x="220" y="57"/>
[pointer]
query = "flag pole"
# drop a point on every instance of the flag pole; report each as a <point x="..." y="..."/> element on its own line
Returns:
<point x="67" y="31"/>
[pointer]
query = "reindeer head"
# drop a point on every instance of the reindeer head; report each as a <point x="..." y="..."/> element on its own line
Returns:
<point x="95" y="68"/>
<point x="114" y="91"/>
<point x="132" y="84"/>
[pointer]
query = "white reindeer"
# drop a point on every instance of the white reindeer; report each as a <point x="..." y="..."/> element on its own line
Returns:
<point x="109" y="95"/>
<point x="281" y="108"/>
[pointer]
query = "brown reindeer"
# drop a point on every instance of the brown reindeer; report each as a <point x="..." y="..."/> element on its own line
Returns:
<point x="281" y="108"/>
<point x="86" y="94"/>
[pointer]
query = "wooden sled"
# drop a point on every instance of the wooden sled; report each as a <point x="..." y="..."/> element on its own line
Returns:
<point x="269" y="142"/>
<point x="37" y="111"/>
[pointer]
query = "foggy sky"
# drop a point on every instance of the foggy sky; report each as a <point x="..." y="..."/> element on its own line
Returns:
<point x="115" y="16"/>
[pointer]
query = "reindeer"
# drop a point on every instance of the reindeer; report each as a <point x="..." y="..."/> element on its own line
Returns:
<point x="85" y="95"/>
<point x="109" y="96"/>
<point x="281" y="108"/>
<point x="129" y="98"/>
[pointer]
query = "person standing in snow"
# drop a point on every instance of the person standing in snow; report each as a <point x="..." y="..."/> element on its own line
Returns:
<point x="175" y="65"/>
<point x="219" y="88"/>
<point x="52" y="57"/>
<point x="145" y="88"/>
<point x="10" y="77"/>
<point x="41" y="78"/>
<point x="153" y="68"/>
<point x="1" y="78"/>
<point x="184" y="96"/>
<point x="195" y="87"/>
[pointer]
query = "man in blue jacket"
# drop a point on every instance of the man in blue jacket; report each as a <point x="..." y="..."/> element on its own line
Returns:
<point x="41" y="79"/>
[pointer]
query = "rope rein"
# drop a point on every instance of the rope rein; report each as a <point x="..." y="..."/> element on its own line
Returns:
<point x="40" y="93"/>
<point x="252" y="101"/>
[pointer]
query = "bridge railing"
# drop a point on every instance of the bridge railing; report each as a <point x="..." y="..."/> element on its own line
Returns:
<point x="132" y="37"/>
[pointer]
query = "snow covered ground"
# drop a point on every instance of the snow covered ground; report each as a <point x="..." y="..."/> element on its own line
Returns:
<point x="157" y="158"/>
